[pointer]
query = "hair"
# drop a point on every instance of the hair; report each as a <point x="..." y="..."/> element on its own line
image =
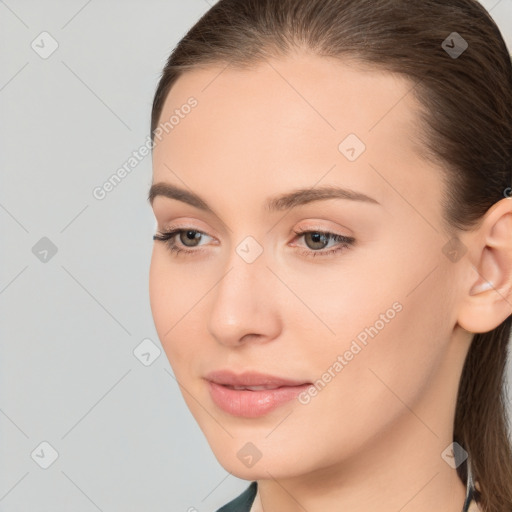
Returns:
<point x="465" y="115"/>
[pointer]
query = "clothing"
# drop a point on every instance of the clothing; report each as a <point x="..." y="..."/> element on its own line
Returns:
<point x="244" y="501"/>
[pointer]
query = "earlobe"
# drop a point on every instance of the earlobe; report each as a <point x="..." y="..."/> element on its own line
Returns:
<point x="481" y="287"/>
<point x="488" y="301"/>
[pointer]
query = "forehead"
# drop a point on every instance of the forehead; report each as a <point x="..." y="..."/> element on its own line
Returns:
<point x="288" y="120"/>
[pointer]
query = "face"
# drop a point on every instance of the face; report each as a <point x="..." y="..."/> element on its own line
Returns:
<point x="344" y="296"/>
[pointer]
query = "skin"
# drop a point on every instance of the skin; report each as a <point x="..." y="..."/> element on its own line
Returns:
<point x="372" y="439"/>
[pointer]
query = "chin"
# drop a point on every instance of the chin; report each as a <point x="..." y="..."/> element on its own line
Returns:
<point x="262" y="470"/>
<point x="256" y="461"/>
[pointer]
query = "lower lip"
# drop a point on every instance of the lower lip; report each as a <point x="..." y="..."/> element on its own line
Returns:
<point x="251" y="404"/>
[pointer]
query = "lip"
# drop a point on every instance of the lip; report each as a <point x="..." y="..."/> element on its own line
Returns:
<point x="252" y="403"/>
<point x="251" y="378"/>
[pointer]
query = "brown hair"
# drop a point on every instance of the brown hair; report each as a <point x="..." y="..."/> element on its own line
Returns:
<point x="466" y="121"/>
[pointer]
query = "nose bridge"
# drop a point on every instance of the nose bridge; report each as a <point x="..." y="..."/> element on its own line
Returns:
<point x="242" y="301"/>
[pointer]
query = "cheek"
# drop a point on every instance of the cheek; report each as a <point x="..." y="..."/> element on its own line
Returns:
<point x="166" y="300"/>
<point x="392" y="338"/>
<point x="159" y="285"/>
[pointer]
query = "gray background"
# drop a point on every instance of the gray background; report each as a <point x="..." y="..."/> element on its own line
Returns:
<point x="70" y="323"/>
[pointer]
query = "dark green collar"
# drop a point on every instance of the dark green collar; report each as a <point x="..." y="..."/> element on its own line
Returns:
<point x="243" y="502"/>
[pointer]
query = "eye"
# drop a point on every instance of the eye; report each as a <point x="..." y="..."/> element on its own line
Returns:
<point x="187" y="237"/>
<point x="315" y="239"/>
<point x="319" y="240"/>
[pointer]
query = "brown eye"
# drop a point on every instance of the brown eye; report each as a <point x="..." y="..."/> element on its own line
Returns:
<point x="318" y="240"/>
<point x="189" y="236"/>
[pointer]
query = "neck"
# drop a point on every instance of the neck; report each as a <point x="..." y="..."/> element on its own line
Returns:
<point x="405" y="481"/>
<point x="401" y="469"/>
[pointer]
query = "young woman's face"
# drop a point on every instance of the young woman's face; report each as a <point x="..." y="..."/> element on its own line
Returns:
<point x="362" y="331"/>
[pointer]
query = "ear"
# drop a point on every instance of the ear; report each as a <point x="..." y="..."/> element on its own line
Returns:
<point x="487" y="301"/>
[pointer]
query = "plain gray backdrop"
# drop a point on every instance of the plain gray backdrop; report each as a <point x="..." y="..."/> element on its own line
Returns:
<point x="90" y="419"/>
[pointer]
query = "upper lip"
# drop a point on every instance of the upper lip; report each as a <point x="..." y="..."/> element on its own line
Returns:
<point x="250" y="378"/>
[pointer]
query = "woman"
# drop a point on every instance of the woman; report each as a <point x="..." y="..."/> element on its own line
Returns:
<point x="332" y="275"/>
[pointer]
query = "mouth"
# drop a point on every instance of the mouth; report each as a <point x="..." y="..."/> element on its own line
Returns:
<point x="250" y="388"/>
<point x="251" y="379"/>
<point x="252" y="394"/>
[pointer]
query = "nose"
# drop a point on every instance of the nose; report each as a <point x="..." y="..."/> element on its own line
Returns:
<point x="244" y="305"/>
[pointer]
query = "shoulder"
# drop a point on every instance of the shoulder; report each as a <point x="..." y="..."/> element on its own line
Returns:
<point x="243" y="502"/>
<point x="475" y="507"/>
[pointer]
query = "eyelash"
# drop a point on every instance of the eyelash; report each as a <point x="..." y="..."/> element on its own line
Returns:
<point x="344" y="242"/>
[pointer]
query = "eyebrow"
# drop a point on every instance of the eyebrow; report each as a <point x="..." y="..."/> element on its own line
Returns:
<point x="292" y="199"/>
